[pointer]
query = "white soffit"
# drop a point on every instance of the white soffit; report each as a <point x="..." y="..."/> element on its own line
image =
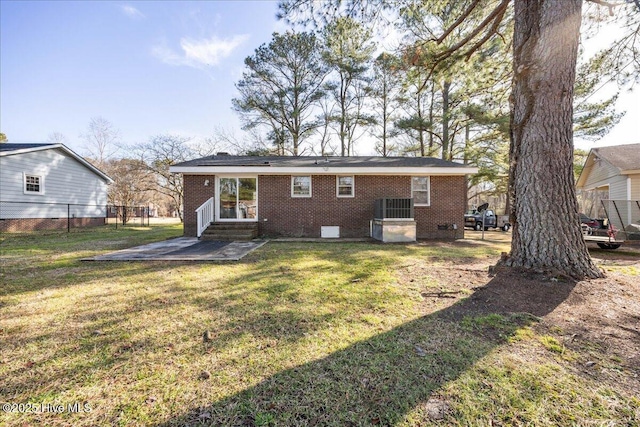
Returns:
<point x="270" y="170"/>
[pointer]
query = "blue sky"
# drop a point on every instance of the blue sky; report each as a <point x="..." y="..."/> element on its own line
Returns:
<point x="147" y="67"/>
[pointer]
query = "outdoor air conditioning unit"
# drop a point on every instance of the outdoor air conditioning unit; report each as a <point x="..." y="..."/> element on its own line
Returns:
<point x="393" y="220"/>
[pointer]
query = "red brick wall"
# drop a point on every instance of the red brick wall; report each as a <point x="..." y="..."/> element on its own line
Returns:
<point x="448" y="202"/>
<point x="282" y="215"/>
<point x="195" y="194"/>
<point x="304" y="216"/>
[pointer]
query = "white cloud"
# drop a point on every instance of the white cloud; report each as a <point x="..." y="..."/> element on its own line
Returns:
<point x="199" y="53"/>
<point x="167" y="55"/>
<point x="132" y="12"/>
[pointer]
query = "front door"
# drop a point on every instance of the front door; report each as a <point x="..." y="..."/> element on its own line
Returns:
<point x="237" y="199"/>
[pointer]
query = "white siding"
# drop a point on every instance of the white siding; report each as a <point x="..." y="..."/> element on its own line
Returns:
<point x="66" y="181"/>
<point x="621" y="208"/>
<point x="618" y="188"/>
<point x="602" y="173"/>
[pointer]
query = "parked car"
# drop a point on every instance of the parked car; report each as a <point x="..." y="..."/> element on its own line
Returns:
<point x="474" y="219"/>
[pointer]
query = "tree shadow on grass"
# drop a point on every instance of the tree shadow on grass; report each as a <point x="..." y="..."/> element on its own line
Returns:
<point x="273" y="299"/>
<point x="380" y="380"/>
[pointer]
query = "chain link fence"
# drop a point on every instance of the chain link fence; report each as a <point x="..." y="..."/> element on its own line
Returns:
<point x="35" y="216"/>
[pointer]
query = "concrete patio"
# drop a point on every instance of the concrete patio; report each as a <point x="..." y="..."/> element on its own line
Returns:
<point x="183" y="249"/>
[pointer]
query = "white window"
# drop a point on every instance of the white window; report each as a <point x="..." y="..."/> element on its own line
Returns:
<point x="420" y="190"/>
<point x="300" y="186"/>
<point x="33" y="184"/>
<point x="345" y="186"/>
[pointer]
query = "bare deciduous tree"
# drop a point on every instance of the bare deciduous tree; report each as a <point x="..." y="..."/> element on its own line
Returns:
<point x="57" y="138"/>
<point x="131" y="185"/>
<point x="156" y="156"/>
<point x="102" y="140"/>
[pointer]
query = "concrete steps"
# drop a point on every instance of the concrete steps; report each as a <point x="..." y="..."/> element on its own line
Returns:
<point x="231" y="231"/>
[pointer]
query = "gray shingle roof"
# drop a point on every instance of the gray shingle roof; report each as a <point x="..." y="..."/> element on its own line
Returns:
<point x="624" y="157"/>
<point x="319" y="161"/>
<point x="7" y="146"/>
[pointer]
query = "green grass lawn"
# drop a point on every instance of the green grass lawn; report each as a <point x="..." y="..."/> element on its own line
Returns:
<point x="297" y="334"/>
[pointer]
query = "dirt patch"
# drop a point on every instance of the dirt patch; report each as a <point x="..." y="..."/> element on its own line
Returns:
<point x="598" y="321"/>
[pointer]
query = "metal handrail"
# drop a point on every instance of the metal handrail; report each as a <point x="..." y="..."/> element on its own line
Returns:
<point x="205" y="215"/>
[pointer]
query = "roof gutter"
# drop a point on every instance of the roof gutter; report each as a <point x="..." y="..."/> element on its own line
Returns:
<point x="322" y="170"/>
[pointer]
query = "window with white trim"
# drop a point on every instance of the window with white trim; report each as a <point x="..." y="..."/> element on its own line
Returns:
<point x="33" y="184"/>
<point x="421" y="190"/>
<point x="300" y="186"/>
<point x="345" y="186"/>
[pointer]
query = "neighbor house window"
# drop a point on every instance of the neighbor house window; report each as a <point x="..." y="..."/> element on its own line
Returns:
<point x="33" y="184"/>
<point x="420" y="190"/>
<point x="300" y="186"/>
<point x="344" y="186"/>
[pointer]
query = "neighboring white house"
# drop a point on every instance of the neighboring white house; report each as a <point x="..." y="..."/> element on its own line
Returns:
<point x="614" y="173"/>
<point x="41" y="185"/>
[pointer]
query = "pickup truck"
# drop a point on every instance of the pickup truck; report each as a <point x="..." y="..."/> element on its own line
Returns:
<point x="473" y="219"/>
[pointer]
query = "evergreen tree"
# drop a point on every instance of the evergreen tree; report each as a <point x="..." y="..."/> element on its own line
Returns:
<point x="348" y="50"/>
<point x="280" y="88"/>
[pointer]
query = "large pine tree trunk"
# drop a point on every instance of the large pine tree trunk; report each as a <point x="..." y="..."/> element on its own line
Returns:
<point x="546" y="231"/>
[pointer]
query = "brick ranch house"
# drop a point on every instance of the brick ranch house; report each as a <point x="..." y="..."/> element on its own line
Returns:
<point x="306" y="196"/>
